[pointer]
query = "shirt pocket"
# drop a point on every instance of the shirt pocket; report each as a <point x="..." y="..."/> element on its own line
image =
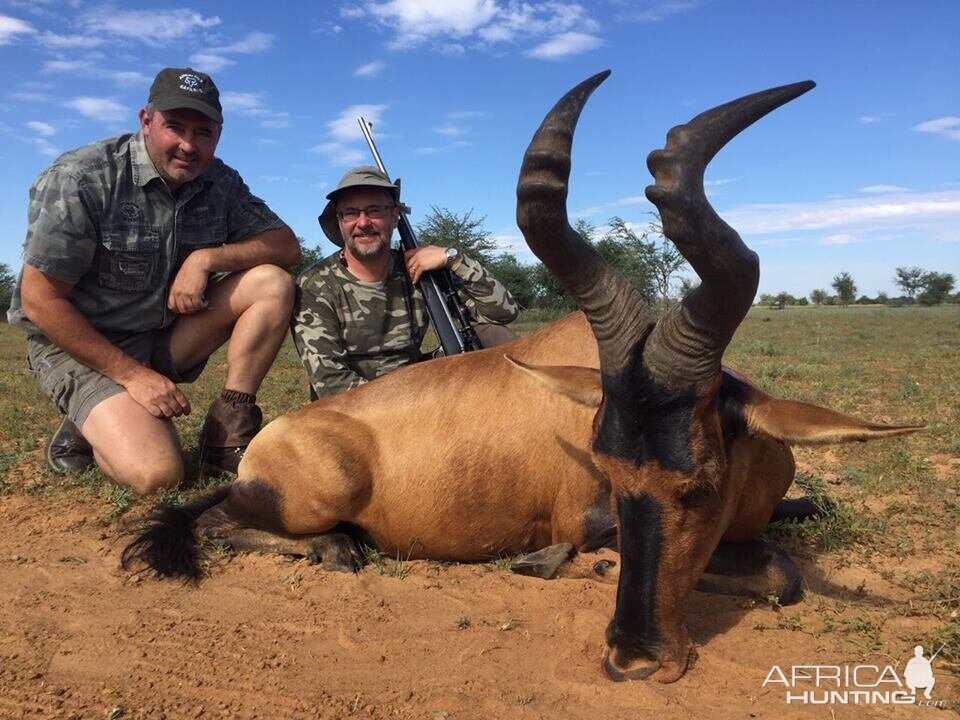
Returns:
<point x="199" y="228"/>
<point x="129" y="258"/>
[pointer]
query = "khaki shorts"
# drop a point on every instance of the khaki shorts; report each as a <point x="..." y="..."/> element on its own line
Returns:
<point x="76" y="389"/>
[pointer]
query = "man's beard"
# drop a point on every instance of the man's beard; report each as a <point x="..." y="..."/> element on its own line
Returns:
<point x="368" y="251"/>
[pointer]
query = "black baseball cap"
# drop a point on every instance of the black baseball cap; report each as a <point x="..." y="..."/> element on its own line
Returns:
<point x="186" y="88"/>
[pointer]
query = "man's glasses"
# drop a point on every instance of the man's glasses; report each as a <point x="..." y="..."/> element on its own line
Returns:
<point x="373" y="212"/>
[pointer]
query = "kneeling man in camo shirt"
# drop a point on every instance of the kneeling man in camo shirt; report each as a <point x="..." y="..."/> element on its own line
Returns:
<point x="144" y="254"/>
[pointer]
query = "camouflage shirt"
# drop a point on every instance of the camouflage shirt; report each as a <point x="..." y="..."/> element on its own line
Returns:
<point x="102" y="219"/>
<point x="348" y="331"/>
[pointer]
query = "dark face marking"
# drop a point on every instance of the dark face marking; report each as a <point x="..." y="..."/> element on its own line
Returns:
<point x="730" y="402"/>
<point x="642" y="421"/>
<point x="600" y="524"/>
<point x="633" y="630"/>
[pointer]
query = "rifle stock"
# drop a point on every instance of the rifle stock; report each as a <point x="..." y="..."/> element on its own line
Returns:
<point x="448" y="315"/>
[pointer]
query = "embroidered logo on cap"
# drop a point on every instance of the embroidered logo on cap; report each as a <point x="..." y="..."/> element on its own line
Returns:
<point x="191" y="83"/>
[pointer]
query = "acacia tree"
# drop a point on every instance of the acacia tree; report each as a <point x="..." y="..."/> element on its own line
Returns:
<point x="910" y="280"/>
<point x="818" y="296"/>
<point x="518" y="279"/>
<point x="7" y="281"/>
<point x="466" y="233"/>
<point x="846" y="288"/>
<point x="308" y="257"/>
<point x="936" y="288"/>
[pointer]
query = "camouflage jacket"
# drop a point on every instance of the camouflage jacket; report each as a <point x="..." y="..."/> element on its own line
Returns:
<point x="348" y="331"/>
<point x="102" y="219"/>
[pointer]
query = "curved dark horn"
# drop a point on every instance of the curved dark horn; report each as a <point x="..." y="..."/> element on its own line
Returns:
<point x="687" y="344"/>
<point x="615" y="309"/>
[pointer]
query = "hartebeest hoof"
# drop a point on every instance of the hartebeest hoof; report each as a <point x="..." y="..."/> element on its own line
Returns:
<point x="336" y="552"/>
<point x="802" y="509"/>
<point x="752" y="569"/>
<point x="666" y="671"/>
<point x="333" y="551"/>
<point x="543" y="563"/>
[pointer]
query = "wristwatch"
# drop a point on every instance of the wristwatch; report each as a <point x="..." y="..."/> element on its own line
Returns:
<point x="452" y="255"/>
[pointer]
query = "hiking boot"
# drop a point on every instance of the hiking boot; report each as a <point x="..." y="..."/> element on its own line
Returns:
<point x="68" y="451"/>
<point x="232" y="421"/>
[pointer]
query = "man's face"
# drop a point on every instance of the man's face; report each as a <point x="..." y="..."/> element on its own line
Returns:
<point x="180" y="143"/>
<point x="365" y="236"/>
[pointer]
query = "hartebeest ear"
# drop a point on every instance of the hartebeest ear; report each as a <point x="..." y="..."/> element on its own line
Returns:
<point x="580" y="384"/>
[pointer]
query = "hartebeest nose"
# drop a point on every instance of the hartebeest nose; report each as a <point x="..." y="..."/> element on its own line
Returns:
<point x="636" y="669"/>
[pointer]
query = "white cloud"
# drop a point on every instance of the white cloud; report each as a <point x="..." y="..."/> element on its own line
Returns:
<point x="949" y="127"/>
<point x="65" y="42"/>
<point x="44" y="147"/>
<point x="882" y="189"/>
<point x="131" y="77"/>
<point x="10" y="27"/>
<point x="428" y="150"/>
<point x="657" y="11"/>
<point x="104" y="109"/>
<point x="255" y="42"/>
<point x="449" y="24"/>
<point x="210" y="63"/>
<point x="153" y="27"/>
<point x="345" y="128"/>
<point x="371" y="69"/>
<point x="30" y="96"/>
<point x="466" y="114"/>
<point x="633" y="200"/>
<point x="339" y="153"/>
<point x="417" y="20"/>
<point x="846" y="213"/>
<point x="67" y="66"/>
<point x="250" y="104"/>
<point x="564" y="45"/>
<point x="236" y="101"/>
<point x="450" y="130"/>
<point x="837" y="239"/>
<point x="344" y="131"/>
<point x="212" y="59"/>
<point x="42" y="128"/>
<point x="868" y="119"/>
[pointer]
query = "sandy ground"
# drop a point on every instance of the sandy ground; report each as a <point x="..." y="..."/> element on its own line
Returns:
<point x="269" y="637"/>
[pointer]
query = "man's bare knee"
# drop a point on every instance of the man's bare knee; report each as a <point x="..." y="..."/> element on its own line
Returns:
<point x="269" y="282"/>
<point x="150" y="480"/>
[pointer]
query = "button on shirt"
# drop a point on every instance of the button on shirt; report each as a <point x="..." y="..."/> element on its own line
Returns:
<point x="102" y="218"/>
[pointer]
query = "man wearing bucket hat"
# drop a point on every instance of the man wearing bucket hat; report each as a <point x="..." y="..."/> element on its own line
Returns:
<point x="359" y="314"/>
<point x="144" y="254"/>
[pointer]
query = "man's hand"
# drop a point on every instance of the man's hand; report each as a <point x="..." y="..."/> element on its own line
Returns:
<point x="187" y="290"/>
<point x="158" y="394"/>
<point x="423" y="259"/>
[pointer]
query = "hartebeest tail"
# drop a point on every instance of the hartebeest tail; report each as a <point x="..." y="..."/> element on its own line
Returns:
<point x="166" y="542"/>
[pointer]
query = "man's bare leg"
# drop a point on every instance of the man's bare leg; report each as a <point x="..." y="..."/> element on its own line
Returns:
<point x="132" y="447"/>
<point x="252" y="309"/>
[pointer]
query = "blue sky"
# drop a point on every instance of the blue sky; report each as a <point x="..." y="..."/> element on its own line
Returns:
<point x="862" y="174"/>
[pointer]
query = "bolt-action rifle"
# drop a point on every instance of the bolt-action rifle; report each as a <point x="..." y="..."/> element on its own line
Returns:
<point x="448" y="314"/>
